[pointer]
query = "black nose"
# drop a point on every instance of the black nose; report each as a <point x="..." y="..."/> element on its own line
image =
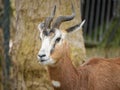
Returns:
<point x="42" y="55"/>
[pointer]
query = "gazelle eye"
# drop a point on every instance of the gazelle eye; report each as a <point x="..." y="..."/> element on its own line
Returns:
<point x="58" y="39"/>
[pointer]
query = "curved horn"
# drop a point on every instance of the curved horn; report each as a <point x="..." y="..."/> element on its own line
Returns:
<point x="61" y="19"/>
<point x="49" y="19"/>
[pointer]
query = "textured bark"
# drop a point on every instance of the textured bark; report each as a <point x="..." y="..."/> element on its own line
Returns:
<point x="27" y="14"/>
<point x="1" y="55"/>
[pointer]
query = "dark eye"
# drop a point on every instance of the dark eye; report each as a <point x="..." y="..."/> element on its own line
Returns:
<point x="58" y="39"/>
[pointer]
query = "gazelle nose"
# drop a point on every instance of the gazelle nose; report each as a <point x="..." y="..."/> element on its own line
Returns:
<point x="42" y="55"/>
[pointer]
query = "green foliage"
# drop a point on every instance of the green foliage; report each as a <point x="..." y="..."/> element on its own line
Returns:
<point x="106" y="35"/>
<point x="112" y="36"/>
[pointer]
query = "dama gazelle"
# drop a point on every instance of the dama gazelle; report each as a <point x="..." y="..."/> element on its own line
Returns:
<point x="97" y="74"/>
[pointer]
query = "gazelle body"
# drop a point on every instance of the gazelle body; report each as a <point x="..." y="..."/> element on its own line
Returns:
<point x="97" y="74"/>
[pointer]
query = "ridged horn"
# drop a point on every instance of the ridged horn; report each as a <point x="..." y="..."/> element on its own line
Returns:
<point x="61" y="19"/>
<point x="50" y="19"/>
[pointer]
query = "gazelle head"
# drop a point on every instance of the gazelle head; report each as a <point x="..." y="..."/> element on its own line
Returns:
<point x="53" y="39"/>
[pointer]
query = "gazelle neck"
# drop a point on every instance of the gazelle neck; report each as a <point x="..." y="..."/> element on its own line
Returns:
<point x="64" y="72"/>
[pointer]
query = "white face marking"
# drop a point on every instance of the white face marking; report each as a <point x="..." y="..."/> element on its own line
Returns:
<point x="50" y="39"/>
<point x="47" y="45"/>
<point x="45" y="50"/>
<point x="56" y="83"/>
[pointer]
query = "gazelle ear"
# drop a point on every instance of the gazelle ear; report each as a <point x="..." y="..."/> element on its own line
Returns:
<point x="41" y="26"/>
<point x="76" y="27"/>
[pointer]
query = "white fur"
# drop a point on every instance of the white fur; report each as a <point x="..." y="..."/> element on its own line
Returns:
<point x="45" y="49"/>
<point x="56" y="83"/>
<point x="47" y="46"/>
<point x="40" y="26"/>
<point x="80" y="26"/>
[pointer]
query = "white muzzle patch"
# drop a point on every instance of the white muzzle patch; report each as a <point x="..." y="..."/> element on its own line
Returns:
<point x="56" y="83"/>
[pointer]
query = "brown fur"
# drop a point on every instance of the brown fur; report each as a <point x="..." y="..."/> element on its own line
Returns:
<point x="97" y="74"/>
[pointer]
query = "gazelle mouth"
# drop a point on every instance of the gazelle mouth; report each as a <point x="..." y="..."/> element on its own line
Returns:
<point x="47" y="61"/>
<point x="42" y="60"/>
